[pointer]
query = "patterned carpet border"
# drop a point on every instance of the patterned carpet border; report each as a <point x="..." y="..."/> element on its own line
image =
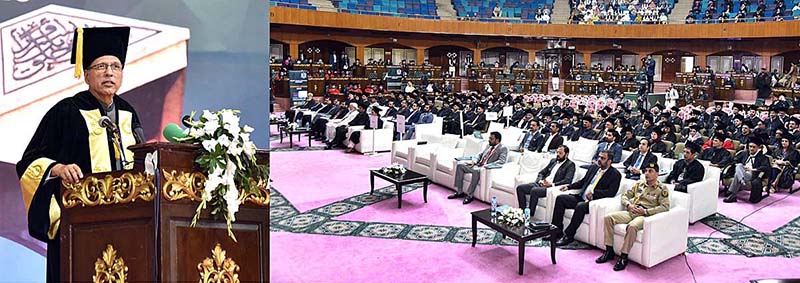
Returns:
<point x="284" y="217"/>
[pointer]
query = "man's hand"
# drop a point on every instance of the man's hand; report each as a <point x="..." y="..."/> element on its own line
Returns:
<point x="589" y="196"/>
<point x="68" y="173"/>
<point x="635" y="170"/>
<point x="546" y="184"/>
<point x="470" y="163"/>
<point x="563" y="188"/>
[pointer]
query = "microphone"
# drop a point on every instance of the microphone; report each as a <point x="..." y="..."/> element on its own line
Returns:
<point x="105" y="122"/>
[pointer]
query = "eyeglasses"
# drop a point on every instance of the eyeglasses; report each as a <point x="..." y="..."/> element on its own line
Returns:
<point x="103" y="66"/>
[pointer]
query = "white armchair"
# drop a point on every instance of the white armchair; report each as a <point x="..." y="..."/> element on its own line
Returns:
<point x="444" y="170"/>
<point x="434" y="128"/>
<point x="422" y="158"/>
<point x="382" y="138"/>
<point x="582" y="151"/>
<point x="504" y="181"/>
<point x="482" y="190"/>
<point x="703" y="199"/>
<point x="663" y="236"/>
<point x="400" y="151"/>
<point x="588" y="230"/>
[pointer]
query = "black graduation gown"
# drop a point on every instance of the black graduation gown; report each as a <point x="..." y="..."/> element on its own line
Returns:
<point x="64" y="137"/>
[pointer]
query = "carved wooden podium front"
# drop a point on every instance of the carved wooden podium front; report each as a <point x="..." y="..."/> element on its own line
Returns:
<point x="130" y="226"/>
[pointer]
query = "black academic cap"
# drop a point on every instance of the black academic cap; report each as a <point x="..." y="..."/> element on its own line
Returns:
<point x="658" y="131"/>
<point x="581" y="107"/>
<point x="556" y="98"/>
<point x="659" y="106"/>
<point x="738" y="116"/>
<point x="697" y="112"/>
<point x="609" y="120"/>
<point x="758" y="140"/>
<point x="795" y="120"/>
<point x="693" y="147"/>
<point x="696" y="127"/>
<point x="675" y="109"/>
<point x="737" y="106"/>
<point x="587" y="118"/>
<point x="719" y="136"/>
<point x="627" y="129"/>
<point x="749" y="124"/>
<point x="691" y="120"/>
<point x="528" y="111"/>
<point x="648" y="117"/>
<point x="607" y="109"/>
<point x="718" y="103"/>
<point x="376" y="109"/>
<point x="603" y="114"/>
<point x="88" y="44"/>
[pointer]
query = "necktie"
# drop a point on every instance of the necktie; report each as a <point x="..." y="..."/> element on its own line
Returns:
<point x="595" y="180"/>
<point x="638" y="161"/>
<point x="608" y="146"/>
<point x="486" y="157"/>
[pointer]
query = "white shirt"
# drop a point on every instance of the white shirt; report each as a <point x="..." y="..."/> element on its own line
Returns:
<point x="552" y="174"/>
<point x="547" y="142"/>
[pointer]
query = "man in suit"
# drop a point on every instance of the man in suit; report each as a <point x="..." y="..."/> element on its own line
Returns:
<point x="552" y="140"/>
<point x="494" y="155"/>
<point x="716" y="154"/>
<point x="750" y="165"/>
<point x="558" y="172"/>
<point x="651" y="72"/>
<point x="291" y="113"/>
<point x="391" y="111"/>
<point x="323" y="107"/>
<point x="601" y="181"/>
<point x="525" y="121"/>
<point x="318" y="127"/>
<point x="610" y="144"/>
<point x="477" y="123"/>
<point x="687" y="170"/>
<point x="325" y="113"/>
<point x="635" y="164"/>
<point x="629" y="141"/>
<point x="341" y="131"/>
<point x="425" y="117"/>
<point x="586" y="131"/>
<point x="532" y="140"/>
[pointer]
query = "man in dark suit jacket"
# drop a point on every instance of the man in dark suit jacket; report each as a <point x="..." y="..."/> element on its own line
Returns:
<point x="687" y="170"/>
<point x="552" y="140"/>
<point x="601" y="181"/>
<point x="391" y="111"/>
<point x="341" y="131"/>
<point x="532" y="140"/>
<point x="610" y="143"/>
<point x="559" y="171"/>
<point x="477" y="123"/>
<point x="635" y="164"/>
<point x="750" y="165"/>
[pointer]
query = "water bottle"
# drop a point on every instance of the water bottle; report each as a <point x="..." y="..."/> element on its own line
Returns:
<point x="527" y="215"/>
<point x="494" y="207"/>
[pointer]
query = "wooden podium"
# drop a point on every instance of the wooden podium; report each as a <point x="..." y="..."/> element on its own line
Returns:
<point x="133" y="226"/>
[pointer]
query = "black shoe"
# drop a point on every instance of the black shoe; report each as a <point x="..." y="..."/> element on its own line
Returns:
<point x="731" y="198"/>
<point x="564" y="241"/>
<point x="555" y="236"/>
<point x="456" y="195"/>
<point x="607" y="255"/>
<point x="468" y="199"/>
<point x="621" y="264"/>
<point x="726" y="193"/>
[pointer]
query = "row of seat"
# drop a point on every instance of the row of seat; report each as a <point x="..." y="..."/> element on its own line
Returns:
<point x="664" y="236"/>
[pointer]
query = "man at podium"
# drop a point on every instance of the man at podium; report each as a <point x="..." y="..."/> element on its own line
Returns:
<point x="85" y="133"/>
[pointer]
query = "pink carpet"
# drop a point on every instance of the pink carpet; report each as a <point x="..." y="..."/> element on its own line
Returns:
<point x="310" y="179"/>
<point x="320" y="258"/>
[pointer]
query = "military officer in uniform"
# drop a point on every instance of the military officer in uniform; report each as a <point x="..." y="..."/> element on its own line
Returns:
<point x="644" y="199"/>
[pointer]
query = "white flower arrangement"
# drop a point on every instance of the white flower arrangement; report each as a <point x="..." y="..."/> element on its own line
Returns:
<point x="512" y="217"/>
<point x="394" y="169"/>
<point x="292" y="126"/>
<point x="228" y="159"/>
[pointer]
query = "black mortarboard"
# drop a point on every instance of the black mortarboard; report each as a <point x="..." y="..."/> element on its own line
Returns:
<point x="528" y="111"/>
<point x="758" y="140"/>
<point x="696" y="127"/>
<point x="658" y="131"/>
<point x="88" y="44"/>
<point x="659" y="106"/>
<point x="582" y="107"/>
<point x="738" y="116"/>
<point x="691" y="120"/>
<point x="749" y="124"/>
<point x="648" y="117"/>
<point x="675" y="109"/>
<point x="603" y="114"/>
<point x="795" y="120"/>
<point x="609" y="120"/>
<point x="718" y="103"/>
<point x="376" y="109"/>
<point x="627" y="129"/>
<point x="693" y="147"/>
<point x="721" y="137"/>
<point x="587" y="118"/>
<point x="737" y="106"/>
<point x="697" y="112"/>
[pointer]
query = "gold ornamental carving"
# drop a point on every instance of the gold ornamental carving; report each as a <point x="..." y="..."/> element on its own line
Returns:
<point x="110" y="268"/>
<point x="183" y="185"/>
<point x="218" y="269"/>
<point x="93" y="191"/>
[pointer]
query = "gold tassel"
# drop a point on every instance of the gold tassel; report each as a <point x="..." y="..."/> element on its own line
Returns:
<point x="116" y="151"/>
<point x="79" y="53"/>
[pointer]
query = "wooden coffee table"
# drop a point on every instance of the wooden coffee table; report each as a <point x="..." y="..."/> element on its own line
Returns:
<point x="407" y="178"/>
<point x="521" y="233"/>
<point x="295" y="131"/>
